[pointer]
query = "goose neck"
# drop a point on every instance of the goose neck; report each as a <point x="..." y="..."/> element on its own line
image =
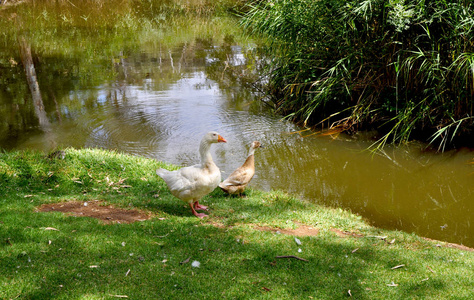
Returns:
<point x="251" y="151"/>
<point x="205" y="152"/>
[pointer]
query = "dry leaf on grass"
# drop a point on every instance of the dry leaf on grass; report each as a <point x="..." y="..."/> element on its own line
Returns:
<point x="397" y="267"/>
<point x="392" y="284"/>
<point x="292" y="256"/>
<point x="51" y="228"/>
<point x="185" y="261"/>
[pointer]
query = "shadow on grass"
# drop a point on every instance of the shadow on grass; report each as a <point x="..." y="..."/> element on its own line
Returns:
<point x="84" y="257"/>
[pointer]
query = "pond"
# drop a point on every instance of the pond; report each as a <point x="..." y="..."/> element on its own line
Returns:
<point x="156" y="98"/>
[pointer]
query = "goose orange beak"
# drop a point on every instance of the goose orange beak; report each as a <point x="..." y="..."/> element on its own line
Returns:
<point x="220" y="139"/>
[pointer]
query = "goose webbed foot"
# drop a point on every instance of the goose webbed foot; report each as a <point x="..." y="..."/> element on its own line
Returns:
<point x="199" y="215"/>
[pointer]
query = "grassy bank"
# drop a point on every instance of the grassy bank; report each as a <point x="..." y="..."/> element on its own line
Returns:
<point x="51" y="255"/>
<point x="403" y="67"/>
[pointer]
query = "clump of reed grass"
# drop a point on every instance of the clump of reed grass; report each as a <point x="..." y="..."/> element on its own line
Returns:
<point x="405" y="67"/>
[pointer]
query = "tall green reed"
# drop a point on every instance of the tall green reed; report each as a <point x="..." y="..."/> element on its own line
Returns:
<point x="404" y="67"/>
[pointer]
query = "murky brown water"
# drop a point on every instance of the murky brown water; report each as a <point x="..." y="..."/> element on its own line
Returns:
<point x="159" y="101"/>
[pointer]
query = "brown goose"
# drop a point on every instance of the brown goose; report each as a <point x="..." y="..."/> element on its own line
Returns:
<point x="238" y="180"/>
<point x="192" y="183"/>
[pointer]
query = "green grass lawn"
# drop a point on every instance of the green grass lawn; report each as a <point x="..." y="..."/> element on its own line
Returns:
<point x="233" y="254"/>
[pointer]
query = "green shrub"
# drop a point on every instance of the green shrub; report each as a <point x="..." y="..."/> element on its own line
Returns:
<point x="403" y="66"/>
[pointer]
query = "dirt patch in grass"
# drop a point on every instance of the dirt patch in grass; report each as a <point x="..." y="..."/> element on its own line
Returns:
<point x="341" y="233"/>
<point x="450" y="245"/>
<point x="460" y="247"/>
<point x="97" y="209"/>
<point x="302" y="230"/>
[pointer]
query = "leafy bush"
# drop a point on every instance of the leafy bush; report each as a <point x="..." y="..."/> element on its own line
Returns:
<point x="404" y="66"/>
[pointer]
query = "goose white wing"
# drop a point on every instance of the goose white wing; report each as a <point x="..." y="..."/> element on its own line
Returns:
<point x="189" y="182"/>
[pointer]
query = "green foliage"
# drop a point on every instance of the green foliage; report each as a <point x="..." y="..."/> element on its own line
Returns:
<point x="404" y="65"/>
<point x="55" y="255"/>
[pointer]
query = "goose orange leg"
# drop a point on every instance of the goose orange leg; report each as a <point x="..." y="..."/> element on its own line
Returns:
<point x="199" y="206"/>
<point x="199" y="215"/>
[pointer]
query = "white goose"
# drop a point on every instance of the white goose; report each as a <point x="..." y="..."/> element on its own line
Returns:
<point x="238" y="180"/>
<point x="192" y="183"/>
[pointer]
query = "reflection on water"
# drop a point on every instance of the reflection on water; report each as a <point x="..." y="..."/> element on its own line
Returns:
<point x="159" y="103"/>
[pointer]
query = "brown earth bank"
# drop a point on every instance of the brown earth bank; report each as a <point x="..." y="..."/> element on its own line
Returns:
<point x="110" y="214"/>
